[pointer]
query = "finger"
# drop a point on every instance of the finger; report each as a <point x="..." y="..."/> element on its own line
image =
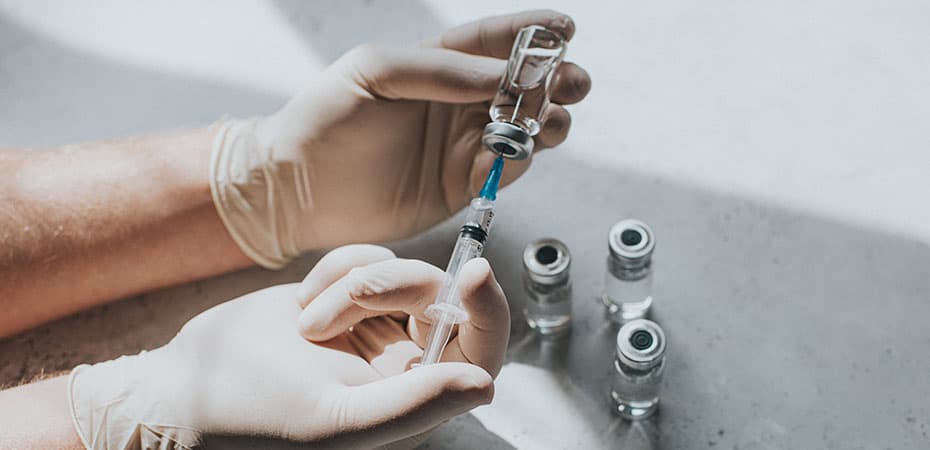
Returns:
<point x="494" y="36"/>
<point x="418" y="330"/>
<point x="384" y="344"/>
<point x="422" y="73"/>
<point x="556" y="124"/>
<point x="405" y="405"/>
<point x="570" y="85"/>
<point x="334" y="265"/>
<point x="376" y="289"/>
<point x="482" y="339"/>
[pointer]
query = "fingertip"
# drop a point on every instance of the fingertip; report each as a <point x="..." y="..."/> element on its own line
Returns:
<point x="412" y="402"/>
<point x="555" y="128"/>
<point x="482" y="384"/>
<point x="558" y="120"/>
<point x="311" y="327"/>
<point x="305" y="325"/>
<point x="477" y="279"/>
<point x="581" y="81"/>
<point x="467" y="381"/>
<point x="482" y="296"/>
<point x="305" y="292"/>
<point x="572" y="84"/>
<point x="482" y="340"/>
<point x="479" y="269"/>
<point x="563" y="24"/>
<point x="479" y="386"/>
<point x="553" y="20"/>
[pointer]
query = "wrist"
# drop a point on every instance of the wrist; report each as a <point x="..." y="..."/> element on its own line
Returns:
<point x="35" y="415"/>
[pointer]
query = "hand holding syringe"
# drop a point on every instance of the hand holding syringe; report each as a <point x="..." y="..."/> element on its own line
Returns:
<point x="447" y="310"/>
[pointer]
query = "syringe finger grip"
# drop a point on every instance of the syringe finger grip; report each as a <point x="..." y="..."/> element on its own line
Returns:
<point x="457" y="313"/>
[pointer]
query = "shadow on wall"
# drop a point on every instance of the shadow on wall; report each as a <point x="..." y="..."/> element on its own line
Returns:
<point x="332" y="28"/>
<point x="53" y="95"/>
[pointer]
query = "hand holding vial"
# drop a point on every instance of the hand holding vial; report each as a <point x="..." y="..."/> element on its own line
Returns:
<point x="399" y="125"/>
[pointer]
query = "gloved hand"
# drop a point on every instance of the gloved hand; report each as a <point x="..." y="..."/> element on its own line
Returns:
<point x="242" y="369"/>
<point x="384" y="143"/>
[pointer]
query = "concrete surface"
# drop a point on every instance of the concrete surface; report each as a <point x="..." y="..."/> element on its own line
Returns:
<point x="777" y="150"/>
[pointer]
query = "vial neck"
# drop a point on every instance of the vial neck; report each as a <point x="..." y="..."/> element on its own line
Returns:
<point x="627" y="269"/>
<point x="638" y="367"/>
<point x="547" y="285"/>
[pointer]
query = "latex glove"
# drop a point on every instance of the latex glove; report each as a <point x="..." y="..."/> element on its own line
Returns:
<point x="242" y="369"/>
<point x="383" y="143"/>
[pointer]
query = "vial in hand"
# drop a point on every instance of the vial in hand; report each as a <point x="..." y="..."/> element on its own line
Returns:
<point x="628" y="279"/>
<point x="518" y="107"/>
<point x="547" y="281"/>
<point x="638" y="367"/>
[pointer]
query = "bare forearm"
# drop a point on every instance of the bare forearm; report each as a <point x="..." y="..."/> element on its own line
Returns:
<point x="36" y="416"/>
<point x="85" y="224"/>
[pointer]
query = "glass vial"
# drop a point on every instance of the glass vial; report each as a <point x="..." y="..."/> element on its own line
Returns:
<point x="548" y="286"/>
<point x="638" y="367"/>
<point x="628" y="280"/>
<point x="521" y="99"/>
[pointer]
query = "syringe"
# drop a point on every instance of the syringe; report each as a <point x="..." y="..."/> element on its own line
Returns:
<point x="447" y="310"/>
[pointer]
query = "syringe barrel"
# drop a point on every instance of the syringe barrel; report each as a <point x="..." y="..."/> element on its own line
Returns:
<point x="447" y="309"/>
<point x="480" y="213"/>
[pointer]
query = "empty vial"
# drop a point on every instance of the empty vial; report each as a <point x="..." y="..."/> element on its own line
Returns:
<point x="638" y="368"/>
<point x="548" y="286"/>
<point x="628" y="279"/>
<point x="521" y="99"/>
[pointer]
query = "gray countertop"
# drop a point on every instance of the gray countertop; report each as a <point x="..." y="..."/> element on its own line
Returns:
<point x="784" y="331"/>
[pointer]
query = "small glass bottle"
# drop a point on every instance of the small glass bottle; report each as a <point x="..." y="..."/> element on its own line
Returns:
<point x="638" y="368"/>
<point x="548" y="307"/>
<point x="628" y="279"/>
<point x="517" y="109"/>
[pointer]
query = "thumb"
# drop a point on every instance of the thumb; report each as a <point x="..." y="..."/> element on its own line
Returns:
<point x="411" y="403"/>
<point x="432" y="74"/>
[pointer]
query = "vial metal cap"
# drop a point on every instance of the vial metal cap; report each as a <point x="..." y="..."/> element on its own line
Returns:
<point x="508" y="140"/>
<point x="641" y="344"/>
<point x="547" y="261"/>
<point x="631" y="240"/>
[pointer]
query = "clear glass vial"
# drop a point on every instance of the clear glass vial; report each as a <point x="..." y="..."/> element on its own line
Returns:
<point x="628" y="279"/>
<point x="517" y="109"/>
<point x="548" y="307"/>
<point x="638" y="367"/>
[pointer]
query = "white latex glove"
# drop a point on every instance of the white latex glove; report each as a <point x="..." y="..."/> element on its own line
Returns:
<point x="242" y="369"/>
<point x="383" y="143"/>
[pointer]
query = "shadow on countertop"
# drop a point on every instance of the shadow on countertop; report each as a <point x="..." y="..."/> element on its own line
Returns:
<point x="778" y="323"/>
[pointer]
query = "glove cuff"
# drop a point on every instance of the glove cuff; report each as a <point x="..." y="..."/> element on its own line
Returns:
<point x="113" y="407"/>
<point x="259" y="198"/>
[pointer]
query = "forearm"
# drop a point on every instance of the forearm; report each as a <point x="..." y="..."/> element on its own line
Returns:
<point x="85" y="224"/>
<point x="36" y="416"/>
